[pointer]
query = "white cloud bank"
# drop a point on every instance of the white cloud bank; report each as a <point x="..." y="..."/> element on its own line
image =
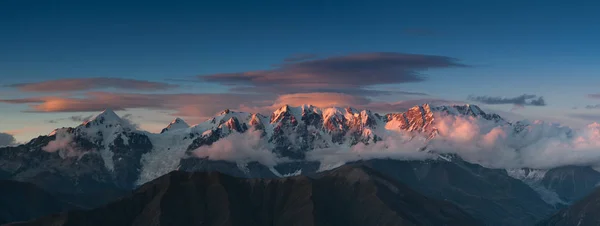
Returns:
<point x="241" y="148"/>
<point x="540" y="145"/>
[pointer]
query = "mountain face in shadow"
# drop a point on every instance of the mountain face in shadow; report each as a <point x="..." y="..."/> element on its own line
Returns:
<point x="582" y="213"/>
<point x="571" y="183"/>
<point x="487" y="194"/>
<point x="23" y="201"/>
<point x="349" y="195"/>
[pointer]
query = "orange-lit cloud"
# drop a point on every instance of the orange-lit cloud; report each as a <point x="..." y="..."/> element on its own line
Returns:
<point x="321" y="99"/>
<point x="81" y="84"/>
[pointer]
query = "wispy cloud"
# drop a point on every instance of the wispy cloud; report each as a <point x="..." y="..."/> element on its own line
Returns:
<point x="82" y="84"/>
<point x="523" y="100"/>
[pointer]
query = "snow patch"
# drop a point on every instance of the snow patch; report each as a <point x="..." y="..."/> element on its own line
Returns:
<point x="533" y="179"/>
<point x="167" y="151"/>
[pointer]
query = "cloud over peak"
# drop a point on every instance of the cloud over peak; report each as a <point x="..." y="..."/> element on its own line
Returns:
<point x="82" y="84"/>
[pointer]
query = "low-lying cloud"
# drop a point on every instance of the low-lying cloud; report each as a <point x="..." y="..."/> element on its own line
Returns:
<point x="241" y="148"/>
<point x="523" y="100"/>
<point x="540" y="145"/>
<point x="82" y="84"/>
<point x="394" y="145"/>
<point x="63" y="144"/>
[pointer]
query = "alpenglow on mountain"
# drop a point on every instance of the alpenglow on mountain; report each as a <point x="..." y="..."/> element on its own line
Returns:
<point x="434" y="149"/>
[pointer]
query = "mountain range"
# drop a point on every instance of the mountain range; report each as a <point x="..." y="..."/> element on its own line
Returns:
<point x="92" y="164"/>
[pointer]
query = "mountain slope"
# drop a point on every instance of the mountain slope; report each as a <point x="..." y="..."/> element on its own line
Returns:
<point x="487" y="194"/>
<point x="582" y="213"/>
<point x="338" y="197"/>
<point x="100" y="154"/>
<point x="571" y="183"/>
<point x="23" y="201"/>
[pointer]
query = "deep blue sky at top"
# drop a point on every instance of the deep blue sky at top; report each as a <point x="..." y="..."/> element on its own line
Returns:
<point x="547" y="48"/>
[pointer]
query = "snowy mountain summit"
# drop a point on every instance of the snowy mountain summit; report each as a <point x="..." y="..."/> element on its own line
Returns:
<point x="176" y="124"/>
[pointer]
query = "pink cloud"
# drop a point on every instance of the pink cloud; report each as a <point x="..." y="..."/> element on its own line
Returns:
<point x="321" y="99"/>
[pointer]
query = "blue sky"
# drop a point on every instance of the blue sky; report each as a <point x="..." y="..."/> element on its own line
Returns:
<point x="544" y="48"/>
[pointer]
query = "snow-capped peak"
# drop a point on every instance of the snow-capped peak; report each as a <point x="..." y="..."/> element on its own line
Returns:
<point x="107" y="114"/>
<point x="176" y="124"/>
<point x="107" y="117"/>
<point x="226" y="111"/>
<point x="288" y="111"/>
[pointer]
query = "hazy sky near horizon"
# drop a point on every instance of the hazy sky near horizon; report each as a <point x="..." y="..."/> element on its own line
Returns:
<point x="62" y="61"/>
